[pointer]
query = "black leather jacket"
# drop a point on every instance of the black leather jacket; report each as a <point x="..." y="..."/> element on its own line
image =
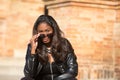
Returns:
<point x="68" y="69"/>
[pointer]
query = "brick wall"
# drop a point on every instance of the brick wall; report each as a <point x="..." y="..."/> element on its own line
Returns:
<point x="91" y="26"/>
<point x="93" y="29"/>
<point x="117" y="44"/>
<point x="16" y="20"/>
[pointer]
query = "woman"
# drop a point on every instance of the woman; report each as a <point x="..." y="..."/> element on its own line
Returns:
<point x="49" y="56"/>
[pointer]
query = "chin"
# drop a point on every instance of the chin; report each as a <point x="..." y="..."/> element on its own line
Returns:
<point x="46" y="42"/>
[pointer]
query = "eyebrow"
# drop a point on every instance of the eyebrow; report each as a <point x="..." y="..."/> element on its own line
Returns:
<point x="44" y="30"/>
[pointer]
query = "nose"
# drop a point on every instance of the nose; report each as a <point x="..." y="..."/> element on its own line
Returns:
<point x="44" y="33"/>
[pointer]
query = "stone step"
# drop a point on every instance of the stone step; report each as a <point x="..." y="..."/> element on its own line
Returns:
<point x="10" y="77"/>
<point x="11" y="68"/>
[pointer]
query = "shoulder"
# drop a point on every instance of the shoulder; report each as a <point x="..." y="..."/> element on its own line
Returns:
<point x="67" y="44"/>
<point x="65" y="40"/>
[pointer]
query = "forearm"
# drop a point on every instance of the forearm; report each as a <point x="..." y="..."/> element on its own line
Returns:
<point x="66" y="76"/>
<point x="70" y="71"/>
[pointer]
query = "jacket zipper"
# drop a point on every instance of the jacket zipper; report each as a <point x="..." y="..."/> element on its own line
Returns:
<point x="51" y="70"/>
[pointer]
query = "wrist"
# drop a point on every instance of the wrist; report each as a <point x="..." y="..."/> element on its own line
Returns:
<point x="32" y="51"/>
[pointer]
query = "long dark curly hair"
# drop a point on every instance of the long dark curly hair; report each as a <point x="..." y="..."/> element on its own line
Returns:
<point x="59" y="44"/>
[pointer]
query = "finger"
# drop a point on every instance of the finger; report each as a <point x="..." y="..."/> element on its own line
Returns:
<point x="38" y="34"/>
<point x="36" y="43"/>
<point x="34" y="37"/>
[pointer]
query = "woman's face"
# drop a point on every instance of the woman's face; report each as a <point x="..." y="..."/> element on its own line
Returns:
<point x="44" y="28"/>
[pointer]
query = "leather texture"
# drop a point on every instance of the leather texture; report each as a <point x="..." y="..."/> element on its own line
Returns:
<point x="68" y="69"/>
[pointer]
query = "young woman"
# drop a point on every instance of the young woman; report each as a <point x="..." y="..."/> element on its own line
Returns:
<point x="49" y="56"/>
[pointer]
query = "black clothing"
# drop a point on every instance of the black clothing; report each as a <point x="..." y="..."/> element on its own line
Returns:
<point x="45" y="73"/>
<point x="66" y="70"/>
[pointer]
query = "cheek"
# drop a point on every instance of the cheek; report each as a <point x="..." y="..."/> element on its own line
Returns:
<point x="49" y="39"/>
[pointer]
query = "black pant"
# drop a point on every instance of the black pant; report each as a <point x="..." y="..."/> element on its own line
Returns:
<point x="27" y="78"/>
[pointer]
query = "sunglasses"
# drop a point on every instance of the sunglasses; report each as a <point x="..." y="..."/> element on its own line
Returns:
<point x="43" y="36"/>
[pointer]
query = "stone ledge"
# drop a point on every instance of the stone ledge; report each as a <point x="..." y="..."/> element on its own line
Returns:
<point x="87" y="3"/>
<point x="12" y="66"/>
<point x="10" y="61"/>
<point x="10" y="77"/>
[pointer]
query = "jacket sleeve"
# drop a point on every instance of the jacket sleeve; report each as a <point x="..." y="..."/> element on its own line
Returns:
<point x="72" y="66"/>
<point x="30" y="68"/>
<point x="72" y="69"/>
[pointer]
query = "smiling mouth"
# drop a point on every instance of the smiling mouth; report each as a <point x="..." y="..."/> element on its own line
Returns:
<point x="45" y="39"/>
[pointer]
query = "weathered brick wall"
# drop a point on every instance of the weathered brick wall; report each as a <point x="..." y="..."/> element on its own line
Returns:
<point x="117" y="44"/>
<point x="92" y="27"/>
<point x="16" y="21"/>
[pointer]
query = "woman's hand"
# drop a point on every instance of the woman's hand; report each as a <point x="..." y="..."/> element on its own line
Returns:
<point x="34" y="43"/>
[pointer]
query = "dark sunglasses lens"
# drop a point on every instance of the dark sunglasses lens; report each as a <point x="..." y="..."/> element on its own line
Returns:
<point x="43" y="36"/>
<point x="50" y="35"/>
